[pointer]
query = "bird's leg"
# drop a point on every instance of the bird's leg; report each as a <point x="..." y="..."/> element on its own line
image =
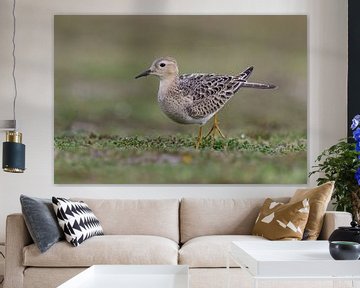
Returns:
<point x="215" y="128"/>
<point x="199" y="138"/>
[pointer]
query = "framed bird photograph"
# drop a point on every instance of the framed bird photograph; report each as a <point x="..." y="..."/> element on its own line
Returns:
<point x="180" y="99"/>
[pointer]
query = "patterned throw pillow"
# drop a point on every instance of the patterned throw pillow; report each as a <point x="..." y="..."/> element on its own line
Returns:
<point x="77" y="220"/>
<point x="319" y="198"/>
<point x="279" y="221"/>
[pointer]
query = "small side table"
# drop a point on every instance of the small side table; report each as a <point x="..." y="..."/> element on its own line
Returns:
<point x="284" y="262"/>
<point x="134" y="276"/>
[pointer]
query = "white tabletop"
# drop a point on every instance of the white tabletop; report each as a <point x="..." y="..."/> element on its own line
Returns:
<point x="131" y="276"/>
<point x="291" y="259"/>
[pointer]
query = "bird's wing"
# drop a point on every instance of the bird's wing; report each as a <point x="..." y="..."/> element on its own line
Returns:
<point x="209" y="92"/>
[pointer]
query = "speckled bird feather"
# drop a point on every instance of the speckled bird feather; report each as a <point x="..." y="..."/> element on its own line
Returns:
<point x="210" y="92"/>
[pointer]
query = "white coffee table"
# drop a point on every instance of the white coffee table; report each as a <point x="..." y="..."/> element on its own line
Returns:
<point x="131" y="276"/>
<point x="292" y="260"/>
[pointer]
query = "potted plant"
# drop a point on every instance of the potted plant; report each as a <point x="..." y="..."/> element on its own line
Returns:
<point x="341" y="163"/>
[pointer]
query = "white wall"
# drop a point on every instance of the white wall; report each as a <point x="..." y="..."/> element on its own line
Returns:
<point x="327" y="89"/>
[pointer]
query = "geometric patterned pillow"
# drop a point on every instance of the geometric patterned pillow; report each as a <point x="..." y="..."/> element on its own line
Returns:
<point x="279" y="221"/>
<point x="77" y="220"/>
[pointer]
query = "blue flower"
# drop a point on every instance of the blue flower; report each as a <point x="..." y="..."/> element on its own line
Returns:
<point x="357" y="176"/>
<point x="357" y="147"/>
<point x="355" y="122"/>
<point x="356" y="134"/>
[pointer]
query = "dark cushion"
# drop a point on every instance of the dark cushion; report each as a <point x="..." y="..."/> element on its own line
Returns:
<point x="41" y="221"/>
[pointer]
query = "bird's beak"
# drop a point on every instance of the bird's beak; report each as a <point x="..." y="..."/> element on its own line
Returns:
<point x="145" y="73"/>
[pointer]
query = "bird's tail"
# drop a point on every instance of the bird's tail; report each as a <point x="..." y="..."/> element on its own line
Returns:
<point x="258" y="85"/>
<point x="246" y="73"/>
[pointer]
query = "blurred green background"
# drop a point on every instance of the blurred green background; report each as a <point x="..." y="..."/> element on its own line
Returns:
<point x="97" y="97"/>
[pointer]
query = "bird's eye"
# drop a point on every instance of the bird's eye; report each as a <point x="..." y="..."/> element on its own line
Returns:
<point x="162" y="64"/>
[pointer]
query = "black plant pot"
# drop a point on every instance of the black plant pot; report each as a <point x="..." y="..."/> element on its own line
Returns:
<point x="343" y="250"/>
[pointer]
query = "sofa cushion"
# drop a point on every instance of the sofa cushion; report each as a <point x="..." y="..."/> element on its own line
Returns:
<point x="41" y="221"/>
<point x="200" y="217"/>
<point x="107" y="249"/>
<point x="319" y="198"/>
<point x="77" y="220"/>
<point x="211" y="251"/>
<point x="158" y="217"/>
<point x="279" y="221"/>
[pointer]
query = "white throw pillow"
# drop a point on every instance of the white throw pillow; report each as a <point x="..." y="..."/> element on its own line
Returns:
<point x="76" y="220"/>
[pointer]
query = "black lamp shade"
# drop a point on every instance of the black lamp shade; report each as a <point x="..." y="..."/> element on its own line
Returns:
<point x="13" y="157"/>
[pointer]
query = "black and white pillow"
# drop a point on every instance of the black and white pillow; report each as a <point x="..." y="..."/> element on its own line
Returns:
<point x="77" y="220"/>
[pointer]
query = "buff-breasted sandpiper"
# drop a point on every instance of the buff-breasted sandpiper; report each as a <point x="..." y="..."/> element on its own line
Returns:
<point x="195" y="98"/>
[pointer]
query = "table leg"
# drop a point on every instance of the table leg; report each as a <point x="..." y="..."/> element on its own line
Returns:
<point x="228" y="269"/>
<point x="255" y="283"/>
<point x="337" y="283"/>
<point x="355" y="283"/>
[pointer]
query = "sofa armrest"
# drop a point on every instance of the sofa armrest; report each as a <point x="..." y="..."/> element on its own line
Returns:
<point x="17" y="237"/>
<point x="333" y="220"/>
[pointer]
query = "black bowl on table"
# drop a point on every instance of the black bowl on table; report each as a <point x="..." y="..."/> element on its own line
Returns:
<point x="347" y="233"/>
<point x="344" y="250"/>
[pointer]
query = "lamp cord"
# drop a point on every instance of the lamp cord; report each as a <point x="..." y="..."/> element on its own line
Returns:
<point x="14" y="60"/>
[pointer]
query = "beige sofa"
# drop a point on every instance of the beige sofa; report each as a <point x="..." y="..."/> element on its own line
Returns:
<point x="194" y="232"/>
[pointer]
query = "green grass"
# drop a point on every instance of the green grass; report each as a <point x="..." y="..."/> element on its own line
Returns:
<point x="173" y="159"/>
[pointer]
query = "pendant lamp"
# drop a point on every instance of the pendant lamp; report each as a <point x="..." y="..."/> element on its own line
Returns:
<point x="13" y="160"/>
